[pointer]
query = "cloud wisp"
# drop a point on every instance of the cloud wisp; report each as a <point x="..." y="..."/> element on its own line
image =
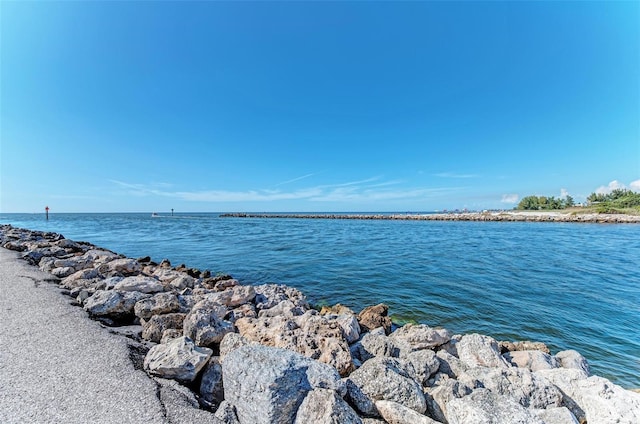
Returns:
<point x="510" y="198"/>
<point x="454" y="175"/>
<point x="366" y="190"/>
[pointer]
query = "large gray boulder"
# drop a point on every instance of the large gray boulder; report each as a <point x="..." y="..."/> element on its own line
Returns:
<point x="533" y="360"/>
<point x="559" y="415"/>
<point x="411" y="337"/>
<point x="374" y="343"/>
<point x="205" y="327"/>
<point x="140" y="284"/>
<point x="154" y="328"/>
<point x="179" y="359"/>
<point x="438" y="397"/>
<point x="325" y="406"/>
<point x="383" y="378"/>
<point x="483" y="406"/>
<point x="161" y="303"/>
<point x="477" y="350"/>
<point x="595" y="399"/>
<point x="234" y="296"/>
<point x="421" y="365"/>
<point x="268" y="385"/>
<point x="269" y="295"/>
<point x="395" y="413"/>
<point x="524" y="386"/>
<point x="573" y="359"/>
<point x="113" y="304"/>
<point x="211" y="385"/>
<point x="124" y="266"/>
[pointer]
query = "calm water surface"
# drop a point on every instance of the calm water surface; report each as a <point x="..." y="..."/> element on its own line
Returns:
<point x="572" y="286"/>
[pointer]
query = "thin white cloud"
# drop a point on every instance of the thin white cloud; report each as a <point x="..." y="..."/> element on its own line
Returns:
<point x="454" y="175"/>
<point x="352" y="191"/>
<point x="564" y="192"/>
<point x="635" y="185"/>
<point x="296" y="179"/>
<point x="510" y="198"/>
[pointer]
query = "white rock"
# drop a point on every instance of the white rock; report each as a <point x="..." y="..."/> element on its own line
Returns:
<point x="477" y="350"/>
<point x="485" y="407"/>
<point x="533" y="360"/>
<point x="324" y="406"/>
<point x="559" y="415"/>
<point x="179" y="359"/>
<point x="139" y="284"/>
<point x="395" y="413"/>
<point x="573" y="359"/>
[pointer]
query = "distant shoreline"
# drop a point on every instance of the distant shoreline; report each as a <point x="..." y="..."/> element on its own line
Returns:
<point x="501" y="216"/>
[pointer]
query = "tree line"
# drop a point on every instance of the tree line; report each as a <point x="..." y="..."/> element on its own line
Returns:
<point x="620" y="198"/>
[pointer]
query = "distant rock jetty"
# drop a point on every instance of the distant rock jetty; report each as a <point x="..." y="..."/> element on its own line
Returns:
<point x="502" y="216"/>
<point x="262" y="354"/>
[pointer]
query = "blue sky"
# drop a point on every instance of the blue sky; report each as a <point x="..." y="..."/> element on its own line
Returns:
<point x="323" y="106"/>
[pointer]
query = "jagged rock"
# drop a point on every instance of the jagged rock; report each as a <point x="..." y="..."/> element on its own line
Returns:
<point x="166" y="275"/>
<point x="113" y="303"/>
<point x="204" y="326"/>
<point x="161" y="303"/>
<point x="233" y="296"/>
<point x="573" y="359"/>
<point x="595" y="399"/>
<point x="211" y="388"/>
<point x="269" y="295"/>
<point x="395" y="413"/>
<point x="374" y="343"/>
<point x="182" y="282"/>
<point x="373" y="317"/>
<point x="411" y="337"/>
<point x="324" y="406"/>
<point x="559" y="415"/>
<point x="139" y="284"/>
<point x="227" y="413"/>
<point x="525" y="387"/>
<point x="439" y="396"/>
<point x="267" y="385"/>
<point x="336" y="309"/>
<point x="63" y="272"/>
<point x="180" y="359"/>
<point x="83" y="274"/>
<point x="477" y="350"/>
<point x="382" y="378"/>
<point x="533" y="360"/>
<point x="310" y="334"/>
<point x="483" y="406"/>
<point x="349" y="325"/>
<point x="170" y="334"/>
<point x="421" y="365"/>
<point x="506" y="346"/>
<point x="286" y="308"/>
<point x="153" y="329"/>
<point x="247" y="310"/>
<point x="124" y="266"/>
<point x="451" y="365"/>
<point x="231" y="342"/>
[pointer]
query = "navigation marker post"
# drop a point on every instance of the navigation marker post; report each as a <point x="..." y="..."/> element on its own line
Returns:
<point x="46" y="210"/>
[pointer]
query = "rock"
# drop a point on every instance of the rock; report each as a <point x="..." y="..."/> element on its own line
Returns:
<point x="234" y="296"/>
<point x="595" y="399"/>
<point x="83" y="274"/>
<point x="485" y="407"/>
<point x="63" y="272"/>
<point x="382" y="378"/>
<point x="559" y="415"/>
<point x="267" y="385"/>
<point x="525" y="387"/>
<point x="180" y="359"/>
<point x="373" y="317"/>
<point x="477" y="350"/>
<point x="395" y="413"/>
<point x="533" y="360"/>
<point x="439" y="396"/>
<point x="113" y="304"/>
<point x="211" y="388"/>
<point x="324" y="406"/>
<point x="247" y="310"/>
<point x="153" y="329"/>
<point x="350" y="327"/>
<point x="573" y="359"/>
<point x="417" y="337"/>
<point x="161" y="303"/>
<point x="231" y="341"/>
<point x="374" y="343"/>
<point x="269" y="295"/>
<point x="522" y="345"/>
<point x="170" y="334"/>
<point x="310" y="334"/>
<point x="336" y="309"/>
<point x="227" y="413"/>
<point x="421" y="365"/>
<point x="205" y="327"/>
<point x="182" y="282"/>
<point x="124" y="266"/>
<point x="451" y="365"/>
<point x="139" y="284"/>
<point x="286" y="308"/>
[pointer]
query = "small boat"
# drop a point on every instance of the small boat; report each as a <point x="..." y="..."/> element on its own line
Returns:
<point x="154" y="215"/>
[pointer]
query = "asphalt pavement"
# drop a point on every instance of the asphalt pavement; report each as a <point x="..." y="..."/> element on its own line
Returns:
<point x="59" y="366"/>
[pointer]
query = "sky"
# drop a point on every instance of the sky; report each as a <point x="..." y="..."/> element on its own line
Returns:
<point x="315" y="106"/>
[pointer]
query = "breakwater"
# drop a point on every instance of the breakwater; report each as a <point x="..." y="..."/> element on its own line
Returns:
<point x="504" y="216"/>
<point x="261" y="354"/>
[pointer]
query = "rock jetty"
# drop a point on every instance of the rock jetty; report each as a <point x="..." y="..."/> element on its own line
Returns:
<point x="262" y="354"/>
<point x="501" y="216"/>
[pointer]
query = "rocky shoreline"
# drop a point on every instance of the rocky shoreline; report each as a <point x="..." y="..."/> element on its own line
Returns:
<point x="262" y="354"/>
<point x="501" y="216"/>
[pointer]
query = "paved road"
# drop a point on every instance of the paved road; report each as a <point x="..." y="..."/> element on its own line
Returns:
<point x="58" y="366"/>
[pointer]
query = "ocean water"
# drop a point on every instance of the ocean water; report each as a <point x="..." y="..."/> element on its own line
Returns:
<point x="571" y="286"/>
